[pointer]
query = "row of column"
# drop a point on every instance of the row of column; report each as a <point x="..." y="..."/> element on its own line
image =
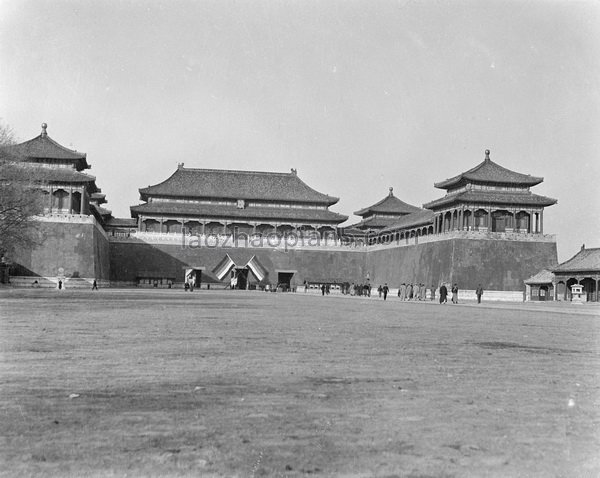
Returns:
<point x="461" y="221"/>
<point x="70" y="208"/>
<point x="161" y="221"/>
<point x="578" y="281"/>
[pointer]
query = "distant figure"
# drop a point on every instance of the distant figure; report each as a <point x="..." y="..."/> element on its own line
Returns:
<point x="322" y="289"/>
<point x="479" y="293"/>
<point x="305" y="286"/>
<point x="385" y="290"/>
<point x="59" y="284"/>
<point x="443" y="294"/>
<point x="432" y="292"/>
<point x="409" y="292"/>
<point x="455" y="294"/>
<point x="380" y="291"/>
<point x="402" y="291"/>
<point x="327" y="289"/>
<point x="94" y="285"/>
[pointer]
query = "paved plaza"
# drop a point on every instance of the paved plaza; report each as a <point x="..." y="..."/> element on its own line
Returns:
<point x="233" y="383"/>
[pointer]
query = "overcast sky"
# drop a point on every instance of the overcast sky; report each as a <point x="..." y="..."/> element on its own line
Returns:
<point x="357" y="95"/>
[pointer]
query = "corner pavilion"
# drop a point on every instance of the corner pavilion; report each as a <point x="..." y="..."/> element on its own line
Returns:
<point x="486" y="198"/>
<point x="58" y="172"/>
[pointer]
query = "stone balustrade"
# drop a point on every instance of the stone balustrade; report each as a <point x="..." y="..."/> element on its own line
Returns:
<point x="275" y="241"/>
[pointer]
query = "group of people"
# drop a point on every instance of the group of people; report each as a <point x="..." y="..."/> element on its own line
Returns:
<point x="416" y="291"/>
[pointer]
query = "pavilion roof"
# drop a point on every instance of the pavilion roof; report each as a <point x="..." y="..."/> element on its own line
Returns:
<point x="543" y="277"/>
<point x="375" y="222"/>
<point x="249" y="213"/>
<point x="497" y="197"/>
<point x="44" y="147"/>
<point x="489" y="172"/>
<point x="235" y="184"/>
<point x="389" y="204"/>
<point x="586" y="260"/>
<point x="423" y="217"/>
<point x="40" y="173"/>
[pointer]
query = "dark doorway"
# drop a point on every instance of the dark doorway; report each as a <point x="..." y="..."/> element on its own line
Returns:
<point x="284" y="280"/>
<point x="544" y="292"/>
<point x="242" y="278"/>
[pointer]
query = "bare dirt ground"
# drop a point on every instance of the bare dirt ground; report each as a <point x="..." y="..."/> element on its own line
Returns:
<point x="227" y="383"/>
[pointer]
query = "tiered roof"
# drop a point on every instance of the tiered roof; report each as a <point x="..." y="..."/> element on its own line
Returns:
<point x="513" y="187"/>
<point x="233" y="184"/>
<point x="43" y="147"/>
<point x="388" y="205"/>
<point x="490" y="173"/>
<point x="497" y="197"/>
<point x="250" y="213"/>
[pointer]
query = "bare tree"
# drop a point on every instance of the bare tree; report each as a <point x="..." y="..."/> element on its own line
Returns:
<point x="20" y="200"/>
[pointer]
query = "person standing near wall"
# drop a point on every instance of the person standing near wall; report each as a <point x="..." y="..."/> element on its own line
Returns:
<point x="479" y="293"/>
<point x="443" y="294"/>
<point x="385" y="290"/>
<point x="455" y="293"/>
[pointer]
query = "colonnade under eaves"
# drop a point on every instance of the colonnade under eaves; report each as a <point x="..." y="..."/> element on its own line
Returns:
<point x="477" y="218"/>
<point x="590" y="282"/>
<point x="65" y="200"/>
<point x="228" y="227"/>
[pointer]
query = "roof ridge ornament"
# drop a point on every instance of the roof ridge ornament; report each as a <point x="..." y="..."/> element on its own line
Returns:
<point x="391" y="193"/>
<point x="179" y="166"/>
<point x="44" y="133"/>
<point x="294" y="171"/>
<point x="487" y="155"/>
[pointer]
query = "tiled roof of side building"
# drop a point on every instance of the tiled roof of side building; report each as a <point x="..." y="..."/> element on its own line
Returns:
<point x="424" y="217"/>
<point x="489" y="172"/>
<point x="249" y="213"/>
<point x="389" y="204"/>
<point x="586" y="260"/>
<point x="220" y="183"/>
<point x="517" y="198"/>
<point x="543" y="277"/>
<point x="44" y="147"/>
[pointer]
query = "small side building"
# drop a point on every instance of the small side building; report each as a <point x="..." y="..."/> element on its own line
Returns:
<point x="584" y="269"/>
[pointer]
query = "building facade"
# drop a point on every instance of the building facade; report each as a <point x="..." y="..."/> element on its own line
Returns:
<point x="202" y="226"/>
<point x="73" y="243"/>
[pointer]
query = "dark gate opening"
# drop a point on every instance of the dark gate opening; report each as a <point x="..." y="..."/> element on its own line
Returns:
<point x="284" y="280"/>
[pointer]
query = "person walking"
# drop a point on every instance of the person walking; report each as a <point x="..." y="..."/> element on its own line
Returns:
<point x="385" y="290"/>
<point x="380" y="291"/>
<point x="94" y="285"/>
<point x="455" y="293"/>
<point x="432" y="291"/>
<point x="479" y="293"/>
<point x="443" y="294"/>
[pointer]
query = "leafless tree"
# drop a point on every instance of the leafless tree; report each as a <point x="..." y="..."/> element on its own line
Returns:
<point x="20" y="200"/>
